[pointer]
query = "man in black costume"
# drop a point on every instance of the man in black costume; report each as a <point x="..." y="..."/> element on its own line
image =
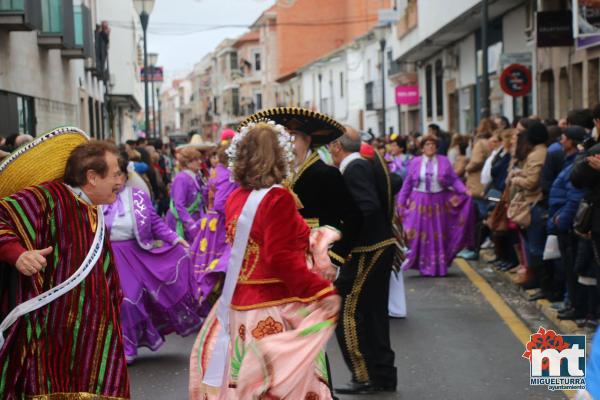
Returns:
<point x="363" y="330"/>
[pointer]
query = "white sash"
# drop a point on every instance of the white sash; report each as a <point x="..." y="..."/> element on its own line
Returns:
<point x="49" y="296"/>
<point x="397" y="297"/>
<point x="216" y="364"/>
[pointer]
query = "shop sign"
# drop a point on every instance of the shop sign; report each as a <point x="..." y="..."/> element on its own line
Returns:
<point x="554" y="29"/>
<point x="407" y="95"/>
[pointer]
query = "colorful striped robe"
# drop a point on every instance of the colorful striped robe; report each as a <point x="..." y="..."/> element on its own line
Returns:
<point x="71" y="348"/>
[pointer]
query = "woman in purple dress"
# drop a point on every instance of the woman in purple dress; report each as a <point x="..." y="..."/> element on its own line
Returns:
<point x="155" y="273"/>
<point x="436" y="211"/>
<point x="398" y="158"/>
<point x="210" y="252"/>
<point x="186" y="195"/>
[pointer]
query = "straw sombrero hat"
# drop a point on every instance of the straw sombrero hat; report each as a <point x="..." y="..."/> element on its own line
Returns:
<point x="198" y="143"/>
<point x="322" y="128"/>
<point x="39" y="161"/>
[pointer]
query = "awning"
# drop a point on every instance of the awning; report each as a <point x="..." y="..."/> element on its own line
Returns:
<point x="124" y="100"/>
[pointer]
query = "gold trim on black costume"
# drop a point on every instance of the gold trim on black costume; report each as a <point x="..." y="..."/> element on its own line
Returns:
<point x="312" y="223"/>
<point x="374" y="247"/>
<point x="313" y="158"/>
<point x="336" y="257"/>
<point x="350" y="334"/>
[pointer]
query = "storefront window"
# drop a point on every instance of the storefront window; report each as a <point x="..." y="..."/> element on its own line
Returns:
<point x="17" y="114"/>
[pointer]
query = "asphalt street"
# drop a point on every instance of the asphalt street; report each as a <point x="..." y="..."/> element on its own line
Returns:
<point x="452" y="345"/>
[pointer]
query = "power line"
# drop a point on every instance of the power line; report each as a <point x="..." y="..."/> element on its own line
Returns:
<point x="181" y="29"/>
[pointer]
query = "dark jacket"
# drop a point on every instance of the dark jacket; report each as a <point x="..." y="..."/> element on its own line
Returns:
<point x="326" y="201"/>
<point x="554" y="164"/>
<point x="585" y="177"/>
<point x="499" y="171"/>
<point x="364" y="179"/>
<point x="563" y="200"/>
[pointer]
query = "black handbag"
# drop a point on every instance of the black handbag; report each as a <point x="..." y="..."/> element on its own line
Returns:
<point x="582" y="223"/>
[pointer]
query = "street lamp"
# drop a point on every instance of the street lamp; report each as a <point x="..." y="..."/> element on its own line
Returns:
<point x="144" y="8"/>
<point x="158" y="85"/>
<point x="381" y="32"/>
<point x="152" y="60"/>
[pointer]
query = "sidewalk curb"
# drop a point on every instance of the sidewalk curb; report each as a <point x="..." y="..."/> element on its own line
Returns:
<point x="565" y="326"/>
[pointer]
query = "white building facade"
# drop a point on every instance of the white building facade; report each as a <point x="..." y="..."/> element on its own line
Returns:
<point x="124" y="65"/>
<point x="48" y="74"/>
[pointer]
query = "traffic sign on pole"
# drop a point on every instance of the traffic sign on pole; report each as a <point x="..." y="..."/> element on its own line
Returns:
<point x="516" y="80"/>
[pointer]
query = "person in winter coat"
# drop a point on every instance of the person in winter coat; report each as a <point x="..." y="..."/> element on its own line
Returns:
<point x="563" y="201"/>
<point x="526" y="183"/>
<point x="586" y="175"/>
<point x="564" y="198"/>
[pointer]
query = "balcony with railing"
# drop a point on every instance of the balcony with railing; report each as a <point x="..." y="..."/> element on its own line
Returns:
<point x="18" y="15"/>
<point x="403" y="72"/>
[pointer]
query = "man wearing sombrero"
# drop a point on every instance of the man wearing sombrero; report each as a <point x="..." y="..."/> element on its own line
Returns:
<point x="322" y="196"/>
<point x="63" y="339"/>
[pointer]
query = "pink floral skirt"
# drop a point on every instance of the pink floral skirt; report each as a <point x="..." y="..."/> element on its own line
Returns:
<point x="274" y="353"/>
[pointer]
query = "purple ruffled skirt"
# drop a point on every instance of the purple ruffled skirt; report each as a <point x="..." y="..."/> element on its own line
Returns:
<point x="210" y="256"/>
<point x="437" y="226"/>
<point x="159" y="294"/>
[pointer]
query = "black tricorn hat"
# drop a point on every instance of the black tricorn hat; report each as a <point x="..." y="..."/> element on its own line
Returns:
<point x="320" y="127"/>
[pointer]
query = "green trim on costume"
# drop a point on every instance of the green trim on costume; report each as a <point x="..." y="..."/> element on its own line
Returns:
<point x="106" y="262"/>
<point x="321" y="366"/>
<point x="77" y="323"/>
<point x="23" y="216"/>
<point x="29" y="329"/>
<point x="38" y="329"/>
<point x="316" y="328"/>
<point x="3" y="380"/>
<point x="102" y="371"/>
<point x="304" y="312"/>
<point x="195" y="206"/>
<point x="237" y="358"/>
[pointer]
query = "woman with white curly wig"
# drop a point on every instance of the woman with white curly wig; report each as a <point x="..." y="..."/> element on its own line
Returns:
<point x="265" y="336"/>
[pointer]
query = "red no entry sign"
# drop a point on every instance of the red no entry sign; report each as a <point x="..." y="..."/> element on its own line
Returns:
<point x="516" y="80"/>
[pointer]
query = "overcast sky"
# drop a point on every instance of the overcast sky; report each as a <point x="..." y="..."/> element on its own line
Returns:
<point x="183" y="31"/>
